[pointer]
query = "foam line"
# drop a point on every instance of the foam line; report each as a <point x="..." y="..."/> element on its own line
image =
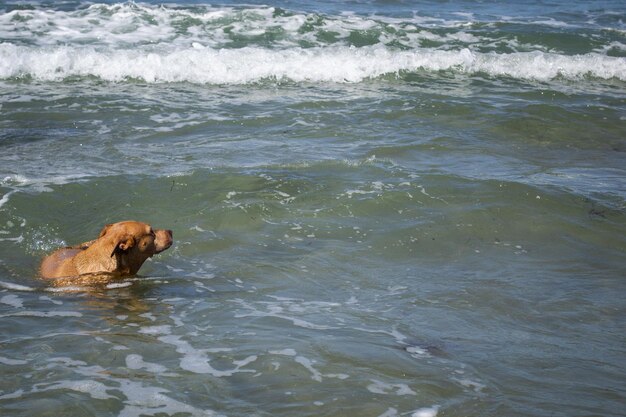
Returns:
<point x="247" y="65"/>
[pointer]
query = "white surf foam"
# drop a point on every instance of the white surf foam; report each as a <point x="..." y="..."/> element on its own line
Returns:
<point x="197" y="360"/>
<point x="12" y="362"/>
<point x="94" y="381"/>
<point x="156" y="330"/>
<point x="315" y="374"/>
<point x="284" y="352"/>
<point x="30" y="313"/>
<point x="5" y="198"/>
<point x="278" y="308"/>
<point x="422" y="412"/>
<point x="379" y="387"/>
<point x="116" y="285"/>
<point x="12" y="300"/>
<point x="144" y="400"/>
<point x="203" y="44"/>
<point x="247" y="65"/>
<point x="426" y="412"/>
<point x="126" y="24"/>
<point x="15" y="287"/>
<point x="135" y="361"/>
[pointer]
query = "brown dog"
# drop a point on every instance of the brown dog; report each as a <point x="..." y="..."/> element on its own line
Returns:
<point x="119" y="251"/>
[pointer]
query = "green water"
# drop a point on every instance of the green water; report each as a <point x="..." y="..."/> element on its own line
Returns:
<point x="333" y="256"/>
<point x="419" y="241"/>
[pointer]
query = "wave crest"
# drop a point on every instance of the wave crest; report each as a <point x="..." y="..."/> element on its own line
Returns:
<point x="203" y="65"/>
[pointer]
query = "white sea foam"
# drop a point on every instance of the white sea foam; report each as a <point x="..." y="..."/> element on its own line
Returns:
<point x="131" y="24"/>
<point x="399" y="337"/>
<point x="473" y="385"/>
<point x="12" y="362"/>
<point x="391" y="412"/>
<point x="68" y="288"/>
<point x="284" y="352"/>
<point x="379" y="387"/>
<point x="315" y="374"/>
<point x="308" y="364"/>
<point x="418" y="352"/>
<point x="5" y="198"/>
<point x="46" y="298"/>
<point x="426" y="412"/>
<point x="328" y="64"/>
<point x="115" y="285"/>
<point x="197" y="361"/>
<point x="149" y="401"/>
<point x="156" y="330"/>
<point x="30" y="313"/>
<point x="34" y="184"/>
<point x="277" y="310"/>
<point x="12" y="300"/>
<point x="94" y="389"/>
<point x="18" y="239"/>
<point x="137" y="398"/>
<point x="148" y="316"/>
<point x="134" y="361"/>
<point x="15" y="287"/>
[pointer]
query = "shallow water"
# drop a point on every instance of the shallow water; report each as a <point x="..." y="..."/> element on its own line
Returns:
<point x="379" y="208"/>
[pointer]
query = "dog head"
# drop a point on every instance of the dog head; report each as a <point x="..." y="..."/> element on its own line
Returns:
<point x="132" y="242"/>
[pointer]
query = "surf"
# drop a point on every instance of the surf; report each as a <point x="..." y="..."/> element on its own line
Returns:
<point x="201" y="65"/>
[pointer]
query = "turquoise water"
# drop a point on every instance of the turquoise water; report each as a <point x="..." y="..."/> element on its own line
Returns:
<point x="379" y="208"/>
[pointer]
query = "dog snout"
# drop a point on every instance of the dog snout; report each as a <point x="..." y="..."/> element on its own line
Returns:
<point x="164" y="239"/>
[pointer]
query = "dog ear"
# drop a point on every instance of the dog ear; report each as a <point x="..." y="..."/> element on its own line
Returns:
<point x="104" y="230"/>
<point x="123" y="243"/>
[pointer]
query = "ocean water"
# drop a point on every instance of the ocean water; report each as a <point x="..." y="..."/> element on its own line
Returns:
<point x="380" y="208"/>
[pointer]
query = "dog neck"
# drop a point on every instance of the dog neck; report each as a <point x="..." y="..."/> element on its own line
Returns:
<point x="123" y="267"/>
<point x="97" y="258"/>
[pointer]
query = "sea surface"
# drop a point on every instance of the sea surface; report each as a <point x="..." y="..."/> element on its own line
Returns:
<point x="380" y="208"/>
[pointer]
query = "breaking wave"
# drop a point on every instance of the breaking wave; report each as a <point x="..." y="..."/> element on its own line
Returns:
<point x="241" y="45"/>
<point x="253" y="64"/>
